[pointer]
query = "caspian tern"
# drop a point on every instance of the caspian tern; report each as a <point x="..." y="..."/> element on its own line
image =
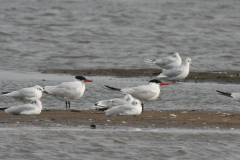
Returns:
<point x="106" y="104"/>
<point x="133" y="108"/>
<point x="234" y="95"/>
<point x="68" y="91"/>
<point x="167" y="62"/>
<point x="33" y="108"/>
<point x="26" y="94"/>
<point x="144" y="93"/>
<point x="177" y="73"/>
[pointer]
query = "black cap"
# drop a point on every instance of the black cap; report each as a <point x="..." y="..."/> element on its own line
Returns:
<point x="80" y="78"/>
<point x="155" y="81"/>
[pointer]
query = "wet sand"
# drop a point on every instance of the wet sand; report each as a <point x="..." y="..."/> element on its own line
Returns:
<point x="188" y="119"/>
<point x="217" y="77"/>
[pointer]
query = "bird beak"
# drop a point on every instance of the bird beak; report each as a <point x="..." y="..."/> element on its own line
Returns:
<point x="87" y="80"/>
<point x="191" y="64"/>
<point x="164" y="83"/>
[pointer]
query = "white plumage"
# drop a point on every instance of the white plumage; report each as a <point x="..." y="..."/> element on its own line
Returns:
<point x="177" y="73"/>
<point x="33" y="108"/>
<point x="234" y="95"/>
<point x="106" y="104"/>
<point x="68" y="91"/>
<point x="26" y="94"/>
<point x="167" y="62"/>
<point x="133" y="108"/>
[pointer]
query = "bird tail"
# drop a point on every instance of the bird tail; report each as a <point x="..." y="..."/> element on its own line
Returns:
<point x="224" y="93"/>
<point x="5" y="92"/>
<point x="112" y="88"/>
<point x="148" y="60"/>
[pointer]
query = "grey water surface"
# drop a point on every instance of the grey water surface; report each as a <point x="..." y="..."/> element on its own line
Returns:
<point x="40" y="35"/>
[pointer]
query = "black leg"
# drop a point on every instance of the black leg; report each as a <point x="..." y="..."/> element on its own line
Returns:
<point x="142" y="106"/>
<point x="68" y="104"/>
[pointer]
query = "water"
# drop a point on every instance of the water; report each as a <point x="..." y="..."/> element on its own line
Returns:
<point x="38" y="35"/>
<point x="183" y="95"/>
<point x="128" y="143"/>
<point x="41" y="35"/>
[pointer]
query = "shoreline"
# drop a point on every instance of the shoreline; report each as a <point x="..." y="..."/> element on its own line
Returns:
<point x="181" y="119"/>
<point x="197" y="77"/>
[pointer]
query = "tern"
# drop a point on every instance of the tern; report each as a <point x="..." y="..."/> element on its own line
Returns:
<point x="33" y="108"/>
<point x="167" y="62"/>
<point x="234" y="95"/>
<point x="68" y="91"/>
<point x="106" y="104"/>
<point x="133" y="108"/>
<point x="26" y="94"/>
<point x="144" y="93"/>
<point x="177" y="73"/>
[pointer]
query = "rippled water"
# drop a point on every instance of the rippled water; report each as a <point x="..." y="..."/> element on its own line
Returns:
<point x="40" y="34"/>
<point x="79" y="34"/>
<point x="130" y="143"/>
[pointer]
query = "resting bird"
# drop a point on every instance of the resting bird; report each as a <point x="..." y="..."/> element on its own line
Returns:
<point x="26" y="94"/>
<point x="167" y="62"/>
<point x="133" y="108"/>
<point x="144" y="93"/>
<point x="234" y="95"/>
<point x="106" y="104"/>
<point x="33" y="108"/>
<point x="177" y="73"/>
<point x="68" y="91"/>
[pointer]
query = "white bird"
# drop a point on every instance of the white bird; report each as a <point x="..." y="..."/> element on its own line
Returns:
<point x="177" y="73"/>
<point x="234" y="95"/>
<point x="167" y="62"/>
<point x="133" y="108"/>
<point x="68" y="91"/>
<point x="144" y="93"/>
<point x="106" y="104"/>
<point x="26" y="94"/>
<point x="33" y="108"/>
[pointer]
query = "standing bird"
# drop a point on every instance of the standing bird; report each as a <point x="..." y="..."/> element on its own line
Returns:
<point x="234" y="95"/>
<point x="68" y="91"/>
<point x="106" y="104"/>
<point x="33" y="108"/>
<point x="167" y="62"/>
<point x="144" y="93"/>
<point x="133" y="108"/>
<point x="26" y="94"/>
<point x="177" y="73"/>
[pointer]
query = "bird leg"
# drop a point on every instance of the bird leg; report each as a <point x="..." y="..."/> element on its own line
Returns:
<point x="68" y="104"/>
<point x="142" y="107"/>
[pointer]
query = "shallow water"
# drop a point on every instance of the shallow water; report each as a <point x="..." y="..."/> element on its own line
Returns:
<point x="40" y="35"/>
<point x="67" y="34"/>
<point x="127" y="143"/>
<point x="184" y="95"/>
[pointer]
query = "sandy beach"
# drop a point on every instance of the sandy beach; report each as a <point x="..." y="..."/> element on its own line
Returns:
<point x="188" y="119"/>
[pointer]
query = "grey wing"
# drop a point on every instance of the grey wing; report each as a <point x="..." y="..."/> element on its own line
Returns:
<point x="165" y="61"/>
<point x="173" y="72"/>
<point x="144" y="92"/>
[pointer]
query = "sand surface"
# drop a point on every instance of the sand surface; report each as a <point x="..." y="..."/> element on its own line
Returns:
<point x="188" y="119"/>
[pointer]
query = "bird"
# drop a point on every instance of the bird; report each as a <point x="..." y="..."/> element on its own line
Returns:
<point x="167" y="62"/>
<point x="106" y="104"/>
<point x="234" y="95"/>
<point x="68" y="91"/>
<point x="32" y="108"/>
<point x="177" y="73"/>
<point x="144" y="93"/>
<point x="133" y="108"/>
<point x="26" y="94"/>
